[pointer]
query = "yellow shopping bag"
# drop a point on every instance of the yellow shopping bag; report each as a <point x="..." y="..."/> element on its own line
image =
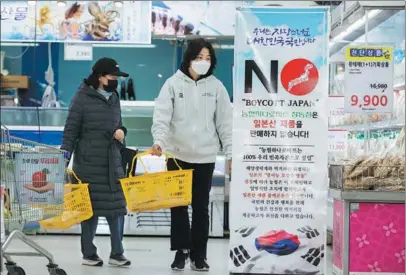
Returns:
<point x="77" y="206"/>
<point x="154" y="191"/>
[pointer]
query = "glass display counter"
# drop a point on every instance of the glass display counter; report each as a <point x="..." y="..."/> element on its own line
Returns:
<point x="45" y="125"/>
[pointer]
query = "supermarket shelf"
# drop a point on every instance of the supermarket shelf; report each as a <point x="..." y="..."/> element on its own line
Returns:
<point x="373" y="126"/>
<point x="368" y="196"/>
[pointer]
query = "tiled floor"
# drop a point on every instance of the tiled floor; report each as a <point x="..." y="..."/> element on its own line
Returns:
<point x="150" y="256"/>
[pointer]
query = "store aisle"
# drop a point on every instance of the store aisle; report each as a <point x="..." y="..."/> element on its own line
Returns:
<point x="149" y="256"/>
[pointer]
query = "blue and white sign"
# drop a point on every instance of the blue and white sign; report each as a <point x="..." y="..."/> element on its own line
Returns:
<point x="180" y="18"/>
<point x="279" y="185"/>
<point x="76" y="22"/>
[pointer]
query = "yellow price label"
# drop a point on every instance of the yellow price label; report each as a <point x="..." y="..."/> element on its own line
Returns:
<point x="368" y="53"/>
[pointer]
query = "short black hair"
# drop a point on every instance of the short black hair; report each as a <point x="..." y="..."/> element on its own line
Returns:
<point x="193" y="49"/>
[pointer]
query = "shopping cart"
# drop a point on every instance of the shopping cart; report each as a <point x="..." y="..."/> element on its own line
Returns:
<point x="32" y="177"/>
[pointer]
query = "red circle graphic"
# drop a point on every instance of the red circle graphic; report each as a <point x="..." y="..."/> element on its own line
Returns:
<point x="299" y="77"/>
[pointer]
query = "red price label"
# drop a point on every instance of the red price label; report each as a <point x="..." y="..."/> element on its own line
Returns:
<point x="337" y="147"/>
<point x="369" y="101"/>
<point x="337" y="112"/>
<point x="337" y="141"/>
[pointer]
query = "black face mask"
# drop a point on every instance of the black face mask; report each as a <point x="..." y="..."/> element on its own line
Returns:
<point x="111" y="86"/>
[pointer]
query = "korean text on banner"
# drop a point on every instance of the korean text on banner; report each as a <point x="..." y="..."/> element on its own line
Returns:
<point x="368" y="79"/>
<point x="77" y="22"/>
<point x="278" y="196"/>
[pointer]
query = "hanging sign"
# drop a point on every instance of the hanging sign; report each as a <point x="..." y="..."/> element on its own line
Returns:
<point x="78" y="52"/>
<point x="279" y="187"/>
<point x="368" y="79"/>
<point x="182" y="18"/>
<point x="77" y="21"/>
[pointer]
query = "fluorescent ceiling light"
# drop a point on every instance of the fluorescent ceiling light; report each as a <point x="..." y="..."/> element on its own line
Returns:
<point x="117" y="45"/>
<point x="354" y="26"/>
<point x="61" y="3"/>
<point x="118" y="4"/>
<point x="19" y="44"/>
<point x="31" y="3"/>
<point x="223" y="47"/>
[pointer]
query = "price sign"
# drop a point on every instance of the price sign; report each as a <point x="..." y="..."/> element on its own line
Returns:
<point x="336" y="110"/>
<point x="368" y="80"/>
<point x="337" y="141"/>
<point x="78" y="52"/>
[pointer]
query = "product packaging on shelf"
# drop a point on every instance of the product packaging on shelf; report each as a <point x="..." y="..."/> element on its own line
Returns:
<point x="382" y="170"/>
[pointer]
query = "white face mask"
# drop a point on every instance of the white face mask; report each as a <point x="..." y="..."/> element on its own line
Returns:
<point x="201" y="67"/>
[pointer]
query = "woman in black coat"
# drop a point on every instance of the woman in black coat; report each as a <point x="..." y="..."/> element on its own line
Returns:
<point x="94" y="132"/>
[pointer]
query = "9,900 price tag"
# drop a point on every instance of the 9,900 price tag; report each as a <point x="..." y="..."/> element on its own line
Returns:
<point x="368" y="80"/>
<point x="368" y="101"/>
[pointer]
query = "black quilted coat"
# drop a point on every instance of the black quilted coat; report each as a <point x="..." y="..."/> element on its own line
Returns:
<point x="89" y="129"/>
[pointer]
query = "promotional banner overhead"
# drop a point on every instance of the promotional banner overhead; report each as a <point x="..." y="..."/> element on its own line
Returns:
<point x="279" y="186"/>
<point x="195" y="17"/>
<point x="368" y="79"/>
<point x="76" y="22"/>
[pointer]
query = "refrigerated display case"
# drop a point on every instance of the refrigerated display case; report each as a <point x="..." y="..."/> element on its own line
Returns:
<point x="45" y="125"/>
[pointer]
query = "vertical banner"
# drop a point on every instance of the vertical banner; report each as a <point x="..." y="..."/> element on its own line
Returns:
<point x="278" y="196"/>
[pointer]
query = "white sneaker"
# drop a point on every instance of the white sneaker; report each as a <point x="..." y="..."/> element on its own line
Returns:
<point x="119" y="261"/>
<point x="92" y="261"/>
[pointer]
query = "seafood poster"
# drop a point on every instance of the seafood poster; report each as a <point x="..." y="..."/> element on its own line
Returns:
<point x="39" y="178"/>
<point x="77" y="21"/>
<point x="279" y="189"/>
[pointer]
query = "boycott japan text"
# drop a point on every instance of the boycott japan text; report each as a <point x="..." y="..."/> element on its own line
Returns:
<point x="280" y="128"/>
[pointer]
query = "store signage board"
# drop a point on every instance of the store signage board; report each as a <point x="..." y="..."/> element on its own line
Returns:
<point x="78" y="52"/>
<point x="39" y="171"/>
<point x="76" y="22"/>
<point x="207" y="18"/>
<point x="280" y="135"/>
<point x="368" y="79"/>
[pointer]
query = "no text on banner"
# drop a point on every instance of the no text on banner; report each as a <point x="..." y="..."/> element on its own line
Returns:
<point x="279" y="189"/>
